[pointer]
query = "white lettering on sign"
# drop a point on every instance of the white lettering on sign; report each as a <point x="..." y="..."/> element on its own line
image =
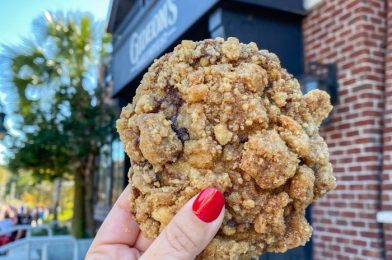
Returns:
<point x="165" y="18"/>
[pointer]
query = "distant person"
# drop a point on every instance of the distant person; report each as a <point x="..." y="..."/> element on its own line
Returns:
<point x="41" y="215"/>
<point x="34" y="216"/>
<point x="21" y="210"/>
<point x="6" y="224"/>
<point x="24" y="218"/>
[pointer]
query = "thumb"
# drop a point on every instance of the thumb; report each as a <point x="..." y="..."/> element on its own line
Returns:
<point x="190" y="231"/>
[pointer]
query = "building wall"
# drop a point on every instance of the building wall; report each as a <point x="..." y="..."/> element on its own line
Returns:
<point x="387" y="151"/>
<point x="352" y="33"/>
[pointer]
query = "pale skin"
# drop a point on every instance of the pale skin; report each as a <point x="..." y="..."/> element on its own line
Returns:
<point x="119" y="237"/>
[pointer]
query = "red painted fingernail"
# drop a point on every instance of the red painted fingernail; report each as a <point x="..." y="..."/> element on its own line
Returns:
<point x="208" y="204"/>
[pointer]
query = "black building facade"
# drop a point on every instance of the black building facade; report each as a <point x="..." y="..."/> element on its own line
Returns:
<point x="145" y="29"/>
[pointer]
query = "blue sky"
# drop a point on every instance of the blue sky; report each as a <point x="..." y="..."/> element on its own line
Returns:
<point x="16" y="15"/>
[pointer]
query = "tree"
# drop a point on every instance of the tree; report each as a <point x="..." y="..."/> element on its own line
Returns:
<point x="4" y="176"/>
<point x="66" y="117"/>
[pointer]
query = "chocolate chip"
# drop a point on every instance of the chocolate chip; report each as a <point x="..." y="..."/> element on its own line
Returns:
<point x="301" y="161"/>
<point x="142" y="164"/>
<point x="173" y="119"/>
<point x="182" y="134"/>
<point x="157" y="105"/>
<point x="231" y="223"/>
<point x="173" y="97"/>
<point x="243" y="138"/>
<point x="158" y="176"/>
<point x="135" y="192"/>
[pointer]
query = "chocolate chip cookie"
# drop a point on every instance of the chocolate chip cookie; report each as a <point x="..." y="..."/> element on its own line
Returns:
<point x="226" y="114"/>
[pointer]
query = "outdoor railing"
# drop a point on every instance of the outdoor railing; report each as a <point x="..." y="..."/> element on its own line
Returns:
<point x="37" y="242"/>
<point x="44" y="241"/>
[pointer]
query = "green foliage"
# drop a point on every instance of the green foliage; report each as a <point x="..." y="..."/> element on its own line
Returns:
<point x="34" y="192"/>
<point x="4" y="175"/>
<point x="57" y="231"/>
<point x="65" y="111"/>
<point x="65" y="116"/>
<point x="45" y="154"/>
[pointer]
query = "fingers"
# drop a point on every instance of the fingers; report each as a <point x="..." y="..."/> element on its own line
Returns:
<point x="118" y="252"/>
<point x="119" y="226"/>
<point x="191" y="229"/>
<point x="118" y="233"/>
<point x="142" y="243"/>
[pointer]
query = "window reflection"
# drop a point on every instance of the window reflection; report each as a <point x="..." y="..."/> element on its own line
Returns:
<point x="104" y="174"/>
<point x="110" y="177"/>
<point x="118" y="156"/>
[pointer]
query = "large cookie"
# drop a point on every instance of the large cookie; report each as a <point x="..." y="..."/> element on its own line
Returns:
<point x="225" y="114"/>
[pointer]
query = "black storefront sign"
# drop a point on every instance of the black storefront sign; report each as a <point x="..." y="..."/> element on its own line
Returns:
<point x="153" y="33"/>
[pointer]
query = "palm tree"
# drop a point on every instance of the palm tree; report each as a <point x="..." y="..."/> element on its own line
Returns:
<point x="64" y="117"/>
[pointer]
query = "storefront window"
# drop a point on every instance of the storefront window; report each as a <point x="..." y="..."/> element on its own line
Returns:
<point x="118" y="156"/>
<point x="104" y="181"/>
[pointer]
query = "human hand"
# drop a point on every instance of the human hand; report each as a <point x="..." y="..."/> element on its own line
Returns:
<point x="188" y="233"/>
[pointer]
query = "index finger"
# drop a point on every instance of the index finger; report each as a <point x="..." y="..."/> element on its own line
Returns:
<point x="119" y="226"/>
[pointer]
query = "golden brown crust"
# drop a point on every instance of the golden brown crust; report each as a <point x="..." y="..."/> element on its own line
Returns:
<point x="225" y="114"/>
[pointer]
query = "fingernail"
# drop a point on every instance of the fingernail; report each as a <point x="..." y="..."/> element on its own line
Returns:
<point x="208" y="204"/>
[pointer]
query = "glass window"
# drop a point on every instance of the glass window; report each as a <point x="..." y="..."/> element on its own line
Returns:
<point x="118" y="156"/>
<point x="104" y="176"/>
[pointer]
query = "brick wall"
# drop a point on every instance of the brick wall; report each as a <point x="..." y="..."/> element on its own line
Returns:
<point x="387" y="151"/>
<point x="351" y="33"/>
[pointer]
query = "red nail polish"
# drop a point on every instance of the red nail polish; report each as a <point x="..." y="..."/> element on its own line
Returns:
<point x="208" y="204"/>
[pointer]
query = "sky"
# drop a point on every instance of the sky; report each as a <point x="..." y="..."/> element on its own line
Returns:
<point x="16" y="18"/>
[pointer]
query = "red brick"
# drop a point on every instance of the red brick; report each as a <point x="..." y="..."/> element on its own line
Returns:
<point x="367" y="177"/>
<point x="364" y="122"/>
<point x="347" y="178"/>
<point x="334" y="230"/>
<point x="348" y="214"/>
<point x="369" y="234"/>
<point x="353" y="35"/>
<point x="370" y="253"/>
<point x="351" y="250"/>
<point x="367" y="158"/>
<point x="359" y="243"/>
<point x="364" y="105"/>
<point x="355" y="168"/>
<point x="335" y="248"/>
<point x="362" y="140"/>
<point x="373" y="149"/>
<point x="358" y="223"/>
<point x="352" y="133"/>
<point x="348" y="196"/>
<point x="346" y="160"/>
<point x="342" y="240"/>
